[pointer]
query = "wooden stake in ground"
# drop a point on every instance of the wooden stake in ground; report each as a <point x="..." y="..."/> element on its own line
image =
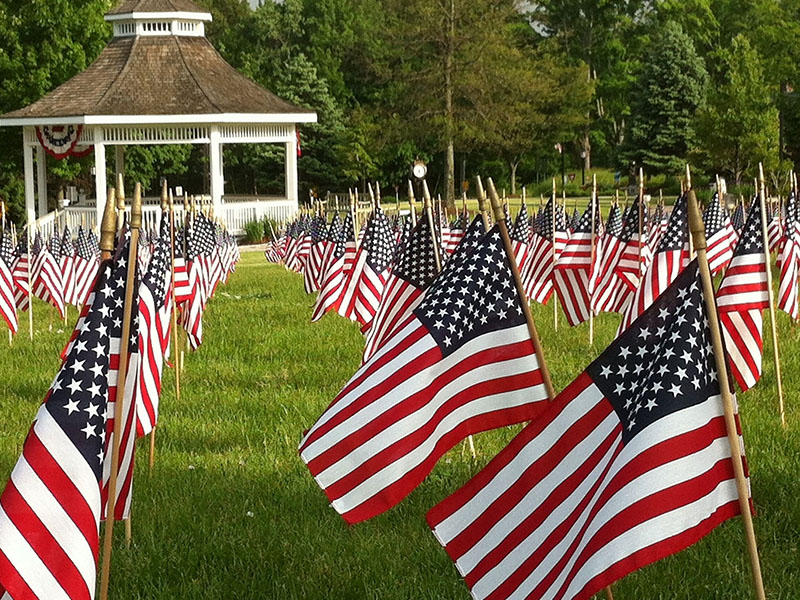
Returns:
<point x="698" y="232"/>
<point x="135" y="224"/>
<point x="497" y="209"/>
<point x="772" y="319"/>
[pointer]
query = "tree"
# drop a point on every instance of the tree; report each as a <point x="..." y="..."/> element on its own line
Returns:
<point x="536" y="101"/>
<point x="42" y="44"/>
<point x="603" y="36"/>
<point x="439" y="69"/>
<point x="670" y="89"/>
<point x="738" y="127"/>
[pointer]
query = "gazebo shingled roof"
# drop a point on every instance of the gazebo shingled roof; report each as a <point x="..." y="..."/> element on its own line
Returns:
<point x="131" y="75"/>
<point x="129" y="6"/>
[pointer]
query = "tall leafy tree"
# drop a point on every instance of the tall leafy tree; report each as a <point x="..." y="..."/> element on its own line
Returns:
<point x="441" y="68"/>
<point x="738" y="127"/>
<point x="602" y="35"/>
<point x="42" y="44"/>
<point x="670" y="89"/>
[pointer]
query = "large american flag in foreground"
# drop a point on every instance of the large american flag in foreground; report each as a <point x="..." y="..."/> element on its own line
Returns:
<point x="50" y="509"/>
<point x="741" y="297"/>
<point x="461" y="363"/>
<point x="630" y="464"/>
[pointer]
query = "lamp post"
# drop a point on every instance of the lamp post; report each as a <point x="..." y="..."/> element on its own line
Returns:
<point x="583" y="167"/>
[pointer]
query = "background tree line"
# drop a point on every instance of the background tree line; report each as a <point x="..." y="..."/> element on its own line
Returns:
<point x="470" y="86"/>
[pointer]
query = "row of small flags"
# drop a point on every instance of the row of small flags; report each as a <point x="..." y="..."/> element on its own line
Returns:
<point x="630" y="463"/>
<point x="61" y="488"/>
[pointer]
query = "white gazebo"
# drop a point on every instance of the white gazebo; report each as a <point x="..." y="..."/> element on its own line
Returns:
<point x="159" y="81"/>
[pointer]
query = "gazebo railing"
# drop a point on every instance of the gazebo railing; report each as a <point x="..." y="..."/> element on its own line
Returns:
<point x="236" y="212"/>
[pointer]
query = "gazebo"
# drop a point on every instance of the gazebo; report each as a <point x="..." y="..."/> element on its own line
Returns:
<point x="158" y="81"/>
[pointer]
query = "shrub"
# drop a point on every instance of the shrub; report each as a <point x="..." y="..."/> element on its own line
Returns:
<point x="254" y="232"/>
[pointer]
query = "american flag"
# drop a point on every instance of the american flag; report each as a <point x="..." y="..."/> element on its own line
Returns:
<point x="50" y="509"/>
<point x="672" y="255"/>
<point x="741" y="297"/>
<point x="8" y="307"/>
<point x="789" y="260"/>
<point x="364" y="287"/>
<point x="115" y="289"/>
<point x="67" y="265"/>
<point x="85" y="268"/>
<point x="719" y="236"/>
<point x="328" y="245"/>
<point x="21" y="273"/>
<point x="413" y="272"/>
<point x="775" y="230"/>
<point x="470" y="240"/>
<point x="574" y="266"/>
<point x="200" y="244"/>
<point x="457" y="230"/>
<point x="737" y="220"/>
<point x="46" y="276"/>
<point x="608" y="291"/>
<point x="520" y="234"/>
<point x="183" y="290"/>
<point x="461" y="363"/>
<point x="311" y="267"/>
<point x="545" y="246"/>
<point x="155" y="314"/>
<point x="330" y="292"/>
<point x="631" y="463"/>
<point x="635" y="256"/>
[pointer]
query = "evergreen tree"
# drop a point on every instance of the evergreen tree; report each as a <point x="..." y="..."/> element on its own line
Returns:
<point x="669" y="91"/>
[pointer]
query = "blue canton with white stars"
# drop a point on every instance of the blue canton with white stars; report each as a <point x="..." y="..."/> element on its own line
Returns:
<point x="676" y="237"/>
<point x="751" y="240"/>
<point x="470" y="241"/>
<point x="417" y="263"/>
<point x="664" y="362"/>
<point x="79" y="393"/>
<point x="472" y="297"/>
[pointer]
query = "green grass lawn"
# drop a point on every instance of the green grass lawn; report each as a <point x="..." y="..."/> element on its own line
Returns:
<point x="230" y="511"/>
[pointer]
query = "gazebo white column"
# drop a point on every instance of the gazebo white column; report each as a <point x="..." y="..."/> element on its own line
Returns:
<point x="41" y="179"/>
<point x="100" y="186"/>
<point x="291" y="167"/>
<point x="27" y="156"/>
<point x="215" y="169"/>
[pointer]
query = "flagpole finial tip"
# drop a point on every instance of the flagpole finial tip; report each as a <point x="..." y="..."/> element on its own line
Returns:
<point x="108" y="226"/>
<point x="497" y="206"/>
<point x="136" y="207"/>
<point x="164" y="195"/>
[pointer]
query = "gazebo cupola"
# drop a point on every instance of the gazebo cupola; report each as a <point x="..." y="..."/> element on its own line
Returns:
<point x="139" y="17"/>
<point x="158" y="81"/>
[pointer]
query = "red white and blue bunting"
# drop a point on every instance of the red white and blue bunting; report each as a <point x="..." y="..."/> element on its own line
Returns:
<point x="59" y="141"/>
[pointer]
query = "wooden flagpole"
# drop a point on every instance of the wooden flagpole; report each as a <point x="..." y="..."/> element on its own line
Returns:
<point x="591" y="264"/>
<point x="176" y="366"/>
<point x="135" y="224"/>
<point x="772" y="317"/>
<point x="3" y="207"/>
<point x="30" y="283"/>
<point x="641" y="216"/>
<point x="497" y="208"/>
<point x="428" y="207"/>
<point x="482" y="204"/>
<point x="698" y="232"/>
<point x="412" y="204"/>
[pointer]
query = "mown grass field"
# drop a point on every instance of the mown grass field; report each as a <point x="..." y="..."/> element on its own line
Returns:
<point x="231" y="512"/>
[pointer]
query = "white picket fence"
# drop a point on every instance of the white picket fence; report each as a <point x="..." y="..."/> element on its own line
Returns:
<point x="237" y="211"/>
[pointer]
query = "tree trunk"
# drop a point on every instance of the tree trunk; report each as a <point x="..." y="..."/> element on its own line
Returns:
<point x="587" y="148"/>
<point x="513" y="164"/>
<point x="450" y="167"/>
